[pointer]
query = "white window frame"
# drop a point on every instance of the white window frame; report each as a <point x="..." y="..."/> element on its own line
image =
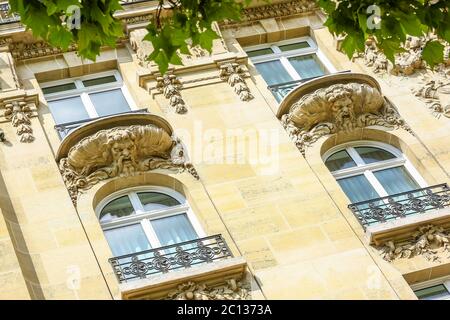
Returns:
<point x="83" y="92"/>
<point x="143" y="217"/>
<point x="283" y="56"/>
<point x="368" y="169"/>
<point x="431" y="283"/>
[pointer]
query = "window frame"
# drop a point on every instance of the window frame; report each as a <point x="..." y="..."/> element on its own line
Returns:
<point x="283" y="56"/>
<point x="367" y="170"/>
<point x="445" y="281"/>
<point x="144" y="218"/>
<point x="84" y="92"/>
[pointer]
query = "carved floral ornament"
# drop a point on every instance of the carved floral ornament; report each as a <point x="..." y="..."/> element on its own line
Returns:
<point x="429" y="241"/>
<point x="121" y="151"/>
<point x="434" y="85"/>
<point x="231" y="290"/>
<point x="19" y="111"/>
<point x="339" y="107"/>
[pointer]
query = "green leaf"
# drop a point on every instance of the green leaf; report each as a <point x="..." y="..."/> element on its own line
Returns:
<point x="433" y="53"/>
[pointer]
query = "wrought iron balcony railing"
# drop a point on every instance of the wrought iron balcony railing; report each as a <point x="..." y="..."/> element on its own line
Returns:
<point x="401" y="205"/>
<point x="6" y="16"/>
<point x="144" y="264"/>
<point x="64" y="129"/>
<point x="281" y="90"/>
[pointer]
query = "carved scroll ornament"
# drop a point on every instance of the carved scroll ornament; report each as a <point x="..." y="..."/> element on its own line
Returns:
<point x="232" y="290"/>
<point x="169" y="85"/>
<point x="339" y="107"/>
<point x="428" y="241"/>
<point x="121" y="151"/>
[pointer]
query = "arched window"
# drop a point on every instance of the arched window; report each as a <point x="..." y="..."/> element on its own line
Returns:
<point x="140" y="219"/>
<point x="367" y="170"/>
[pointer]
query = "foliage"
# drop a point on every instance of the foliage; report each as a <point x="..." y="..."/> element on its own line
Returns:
<point x="178" y="24"/>
<point x="389" y="22"/>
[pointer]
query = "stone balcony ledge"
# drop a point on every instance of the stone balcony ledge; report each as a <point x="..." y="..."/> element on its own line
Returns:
<point x="159" y="286"/>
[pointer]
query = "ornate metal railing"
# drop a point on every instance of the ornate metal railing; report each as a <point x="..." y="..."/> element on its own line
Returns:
<point x="5" y="15"/>
<point x="401" y="205"/>
<point x="144" y="264"/>
<point x="281" y="90"/>
<point x="65" y="128"/>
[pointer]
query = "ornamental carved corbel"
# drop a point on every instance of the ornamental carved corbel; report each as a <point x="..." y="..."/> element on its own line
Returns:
<point x="429" y="241"/>
<point x="169" y="85"/>
<point x="234" y="74"/>
<point x="19" y="111"/>
<point x="231" y="290"/>
<point x="341" y="107"/>
<point x="121" y="151"/>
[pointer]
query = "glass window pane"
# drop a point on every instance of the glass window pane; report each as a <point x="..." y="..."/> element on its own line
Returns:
<point x="109" y="102"/>
<point x="294" y="46"/>
<point x="154" y="200"/>
<point x="358" y="188"/>
<point x="308" y="66"/>
<point x="339" y="160"/>
<point x="273" y="72"/>
<point x="371" y="155"/>
<point x="60" y="88"/>
<point x="259" y="52"/>
<point x="396" y="180"/>
<point x="432" y="293"/>
<point x="125" y="240"/>
<point x="97" y="81"/>
<point x="174" y="229"/>
<point x="68" y="110"/>
<point x="120" y="207"/>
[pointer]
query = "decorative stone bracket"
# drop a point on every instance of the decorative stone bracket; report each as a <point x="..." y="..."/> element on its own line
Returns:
<point x="169" y="85"/>
<point x="337" y="103"/>
<point x="234" y="74"/>
<point x="121" y="151"/>
<point x="19" y="110"/>
<point x="429" y="241"/>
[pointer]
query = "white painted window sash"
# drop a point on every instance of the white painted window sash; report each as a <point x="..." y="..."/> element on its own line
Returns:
<point x="144" y="218"/>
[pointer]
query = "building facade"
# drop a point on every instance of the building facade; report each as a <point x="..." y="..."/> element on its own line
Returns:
<point x="273" y="168"/>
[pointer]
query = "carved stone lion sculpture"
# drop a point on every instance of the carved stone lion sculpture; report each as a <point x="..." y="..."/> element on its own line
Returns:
<point x="121" y="151"/>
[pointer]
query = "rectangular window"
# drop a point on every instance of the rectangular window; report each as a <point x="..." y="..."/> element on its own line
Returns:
<point x="286" y="64"/>
<point x="439" y="291"/>
<point x="78" y="100"/>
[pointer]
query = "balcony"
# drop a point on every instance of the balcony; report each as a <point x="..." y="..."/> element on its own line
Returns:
<point x="400" y="213"/>
<point x="64" y="129"/>
<point x="184" y="255"/>
<point x="155" y="273"/>
<point x="281" y="90"/>
<point x="7" y="17"/>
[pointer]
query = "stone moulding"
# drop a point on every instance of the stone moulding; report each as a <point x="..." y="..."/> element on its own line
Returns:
<point x="120" y="151"/>
<point x="19" y="110"/>
<point x="429" y="241"/>
<point x="336" y="103"/>
<point x="276" y="10"/>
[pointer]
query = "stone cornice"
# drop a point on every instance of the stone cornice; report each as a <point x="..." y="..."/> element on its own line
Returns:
<point x="276" y="10"/>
